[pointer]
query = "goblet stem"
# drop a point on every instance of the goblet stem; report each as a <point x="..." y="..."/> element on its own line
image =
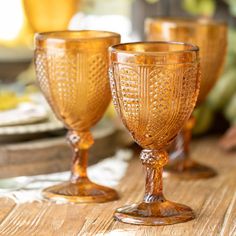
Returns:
<point x="187" y="136"/>
<point x="79" y="165"/>
<point x="81" y="142"/>
<point x="181" y="164"/>
<point x="80" y="188"/>
<point x="154" y="209"/>
<point x="179" y="150"/>
<point x="154" y="161"/>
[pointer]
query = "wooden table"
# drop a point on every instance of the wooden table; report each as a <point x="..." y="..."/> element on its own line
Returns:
<point x="214" y="202"/>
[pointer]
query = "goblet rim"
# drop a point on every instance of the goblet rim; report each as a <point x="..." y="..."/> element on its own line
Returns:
<point x="187" y="20"/>
<point x="115" y="48"/>
<point x="58" y="35"/>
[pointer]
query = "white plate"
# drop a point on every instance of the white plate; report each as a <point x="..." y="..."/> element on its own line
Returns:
<point x="52" y="124"/>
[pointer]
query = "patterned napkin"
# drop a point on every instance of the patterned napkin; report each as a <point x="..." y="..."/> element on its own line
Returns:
<point x="24" y="189"/>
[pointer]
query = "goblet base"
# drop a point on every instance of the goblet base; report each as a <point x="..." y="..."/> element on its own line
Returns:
<point x="157" y="213"/>
<point x="189" y="169"/>
<point x="83" y="191"/>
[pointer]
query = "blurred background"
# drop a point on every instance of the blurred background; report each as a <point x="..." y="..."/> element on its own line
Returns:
<point x="31" y="138"/>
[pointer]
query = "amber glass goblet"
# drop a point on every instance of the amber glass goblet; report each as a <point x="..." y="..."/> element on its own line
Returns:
<point x="154" y="88"/>
<point x="211" y="37"/>
<point x="72" y="71"/>
<point x="44" y="15"/>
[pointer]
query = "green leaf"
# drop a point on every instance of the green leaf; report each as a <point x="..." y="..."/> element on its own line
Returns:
<point x="204" y="119"/>
<point x="230" y="110"/>
<point x="223" y="90"/>
<point x="199" y="7"/>
<point x="232" y="6"/>
<point x="152" y="1"/>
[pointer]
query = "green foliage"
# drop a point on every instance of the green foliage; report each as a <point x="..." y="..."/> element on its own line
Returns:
<point x="152" y="1"/>
<point x="199" y="7"/>
<point x="223" y="90"/>
<point x="232" y="6"/>
<point x="232" y="40"/>
<point x="204" y="119"/>
<point x="230" y="110"/>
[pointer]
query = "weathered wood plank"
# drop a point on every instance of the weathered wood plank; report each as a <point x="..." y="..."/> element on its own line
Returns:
<point x="6" y="205"/>
<point x="51" y="154"/>
<point x="214" y="202"/>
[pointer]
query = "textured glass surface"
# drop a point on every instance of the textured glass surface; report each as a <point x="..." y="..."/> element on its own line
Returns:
<point x="211" y="37"/>
<point x="154" y="89"/>
<point x="72" y="71"/>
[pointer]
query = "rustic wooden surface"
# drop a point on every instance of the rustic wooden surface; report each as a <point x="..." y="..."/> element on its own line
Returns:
<point x="214" y="202"/>
<point x="52" y="154"/>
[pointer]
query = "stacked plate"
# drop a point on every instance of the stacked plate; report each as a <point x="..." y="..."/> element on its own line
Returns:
<point x="28" y="118"/>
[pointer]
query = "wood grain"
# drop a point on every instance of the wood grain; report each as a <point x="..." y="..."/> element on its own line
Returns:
<point x="214" y="202"/>
<point x="50" y="154"/>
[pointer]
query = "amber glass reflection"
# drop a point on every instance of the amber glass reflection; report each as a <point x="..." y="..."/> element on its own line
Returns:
<point x="44" y="15"/>
<point x="154" y="89"/>
<point x="72" y="71"/>
<point x="211" y="37"/>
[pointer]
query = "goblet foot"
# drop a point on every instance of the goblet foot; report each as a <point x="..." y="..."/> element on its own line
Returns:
<point x="82" y="191"/>
<point x="189" y="169"/>
<point x="156" y="213"/>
